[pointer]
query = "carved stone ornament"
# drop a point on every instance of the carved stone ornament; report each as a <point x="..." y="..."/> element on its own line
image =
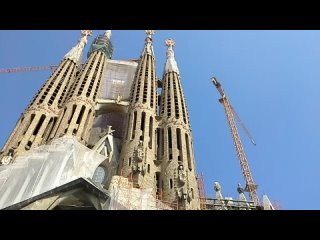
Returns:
<point x="5" y="160"/>
<point x="86" y="32"/>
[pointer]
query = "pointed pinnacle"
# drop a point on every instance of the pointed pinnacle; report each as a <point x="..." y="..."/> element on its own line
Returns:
<point x="108" y="33"/>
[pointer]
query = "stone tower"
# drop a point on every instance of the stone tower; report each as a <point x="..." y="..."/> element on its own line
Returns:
<point x="35" y="124"/>
<point x="156" y="149"/>
<point x="78" y="113"/>
<point x="178" y="174"/>
<point x="138" y="153"/>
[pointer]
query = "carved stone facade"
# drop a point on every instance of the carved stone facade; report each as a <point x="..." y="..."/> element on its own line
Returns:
<point x="36" y="123"/>
<point x="78" y="114"/>
<point x="139" y="149"/>
<point x="157" y="149"/>
<point x="178" y="174"/>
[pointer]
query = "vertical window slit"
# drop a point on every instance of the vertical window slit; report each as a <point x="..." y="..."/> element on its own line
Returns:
<point x="150" y="131"/>
<point x="36" y="130"/>
<point x="188" y="152"/>
<point x="134" y="124"/>
<point x="143" y="120"/>
<point x="83" y="108"/>
<point x="170" y="142"/>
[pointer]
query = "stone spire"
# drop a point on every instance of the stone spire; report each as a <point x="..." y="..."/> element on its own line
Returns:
<point x="75" y="54"/>
<point x="78" y="114"/>
<point x="139" y="148"/>
<point x="37" y="121"/>
<point x="102" y="43"/>
<point x="175" y="147"/>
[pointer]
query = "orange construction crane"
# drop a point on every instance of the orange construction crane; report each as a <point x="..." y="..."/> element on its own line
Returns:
<point x="28" y="69"/>
<point x="31" y="69"/>
<point x="202" y="192"/>
<point x="250" y="186"/>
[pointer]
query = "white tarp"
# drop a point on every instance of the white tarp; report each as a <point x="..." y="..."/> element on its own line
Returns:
<point x="45" y="168"/>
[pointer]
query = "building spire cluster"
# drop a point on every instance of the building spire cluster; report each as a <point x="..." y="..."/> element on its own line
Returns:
<point x="157" y="149"/>
<point x="77" y="116"/>
<point x="37" y="122"/>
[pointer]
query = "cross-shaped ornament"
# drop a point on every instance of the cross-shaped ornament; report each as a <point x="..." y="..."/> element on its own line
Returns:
<point x="149" y="32"/>
<point x="86" y="32"/>
<point x="170" y="42"/>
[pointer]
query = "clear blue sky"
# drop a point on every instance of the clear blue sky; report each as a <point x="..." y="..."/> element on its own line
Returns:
<point x="272" y="79"/>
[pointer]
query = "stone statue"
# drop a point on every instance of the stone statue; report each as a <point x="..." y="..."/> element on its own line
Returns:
<point x="139" y="158"/>
<point x="181" y="174"/>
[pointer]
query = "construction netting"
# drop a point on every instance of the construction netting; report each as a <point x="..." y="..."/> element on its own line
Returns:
<point x="117" y="79"/>
<point x="115" y="119"/>
<point x="45" y="168"/>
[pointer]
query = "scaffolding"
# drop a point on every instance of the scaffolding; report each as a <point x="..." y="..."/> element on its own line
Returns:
<point x="202" y="193"/>
<point x="173" y="205"/>
<point x="229" y="204"/>
<point x="125" y="194"/>
<point x="113" y="101"/>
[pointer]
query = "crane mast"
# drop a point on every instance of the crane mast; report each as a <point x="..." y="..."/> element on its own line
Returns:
<point x="250" y="186"/>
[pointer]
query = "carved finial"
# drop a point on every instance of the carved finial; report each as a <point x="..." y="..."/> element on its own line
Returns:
<point x="170" y="44"/>
<point x="149" y="49"/>
<point x="149" y="35"/>
<point x="171" y="64"/>
<point x="75" y="53"/>
<point x="86" y="32"/>
<point x="108" y="34"/>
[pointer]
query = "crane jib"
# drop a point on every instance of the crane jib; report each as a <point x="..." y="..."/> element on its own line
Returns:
<point x="231" y="114"/>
